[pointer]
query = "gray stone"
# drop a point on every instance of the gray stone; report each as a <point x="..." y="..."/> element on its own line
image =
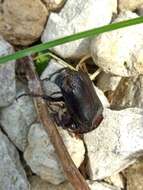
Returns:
<point x="77" y="16"/>
<point x="17" y="118"/>
<point x="7" y="75"/>
<point x="116" y="143"/>
<point x="120" y="52"/>
<point x="12" y="175"/>
<point x="41" y="157"/>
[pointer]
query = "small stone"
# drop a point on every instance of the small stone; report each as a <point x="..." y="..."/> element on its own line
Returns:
<point x="7" y="75"/>
<point x="12" y="175"/>
<point x="77" y="16"/>
<point x="101" y="186"/>
<point x="120" y="52"/>
<point x="130" y="4"/>
<point x="53" y="5"/>
<point x="134" y="176"/>
<point x="17" y="118"/>
<point x="116" y="143"/>
<point x="37" y="183"/>
<point x="22" y="22"/>
<point x="41" y="157"/>
<point x="117" y="180"/>
<point x="107" y="82"/>
<point x="129" y="93"/>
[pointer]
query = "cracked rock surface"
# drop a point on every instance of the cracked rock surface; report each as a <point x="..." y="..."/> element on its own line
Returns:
<point x="12" y="175"/>
<point x="74" y="17"/>
<point x="7" y="75"/>
<point x="116" y="143"/>
<point x="41" y="157"/>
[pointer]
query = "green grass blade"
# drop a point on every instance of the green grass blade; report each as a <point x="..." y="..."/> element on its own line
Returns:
<point x="77" y="36"/>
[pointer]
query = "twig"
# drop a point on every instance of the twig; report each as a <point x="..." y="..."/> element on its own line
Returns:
<point x="72" y="173"/>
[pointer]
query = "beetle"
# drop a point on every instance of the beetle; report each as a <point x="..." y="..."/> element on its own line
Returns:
<point x="81" y="100"/>
<point x="84" y="108"/>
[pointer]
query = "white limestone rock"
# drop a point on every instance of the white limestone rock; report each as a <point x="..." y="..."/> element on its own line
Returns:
<point x="77" y="16"/>
<point x="120" y="52"/>
<point x="17" y="118"/>
<point x="116" y="143"/>
<point x="7" y="75"/>
<point x="117" y="180"/>
<point x="12" y="175"/>
<point x="41" y="157"/>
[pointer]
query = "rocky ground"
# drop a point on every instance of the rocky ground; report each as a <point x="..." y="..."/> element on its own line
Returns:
<point x="112" y="153"/>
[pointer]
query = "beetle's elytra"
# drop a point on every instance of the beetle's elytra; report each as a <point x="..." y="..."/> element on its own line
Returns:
<point x="80" y="99"/>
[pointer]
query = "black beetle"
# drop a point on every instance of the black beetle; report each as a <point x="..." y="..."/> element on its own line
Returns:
<point x="80" y="98"/>
<point x="84" y="109"/>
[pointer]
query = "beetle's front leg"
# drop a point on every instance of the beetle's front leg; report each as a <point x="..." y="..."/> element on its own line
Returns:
<point x="44" y="96"/>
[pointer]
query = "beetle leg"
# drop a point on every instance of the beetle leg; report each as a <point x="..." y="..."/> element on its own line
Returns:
<point x="45" y="97"/>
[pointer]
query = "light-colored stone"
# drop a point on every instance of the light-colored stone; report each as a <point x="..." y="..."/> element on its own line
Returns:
<point x="107" y="82"/>
<point x="117" y="180"/>
<point x="17" y="118"/>
<point x="129" y="93"/>
<point x="7" y="76"/>
<point x="101" y="186"/>
<point x="134" y="176"/>
<point x="12" y="175"/>
<point x="77" y="16"/>
<point x="129" y="4"/>
<point x="22" y="22"/>
<point x="102" y="97"/>
<point x="116" y="143"/>
<point x="54" y="4"/>
<point x="41" y="157"/>
<point x="120" y="52"/>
